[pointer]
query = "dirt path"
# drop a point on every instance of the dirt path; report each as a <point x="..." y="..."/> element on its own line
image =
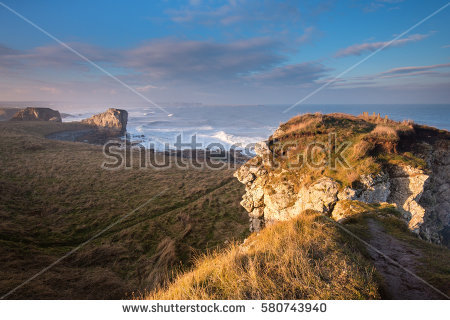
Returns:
<point x="399" y="284"/>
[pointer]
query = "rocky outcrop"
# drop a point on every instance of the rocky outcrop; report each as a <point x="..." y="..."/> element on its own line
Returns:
<point x="423" y="197"/>
<point x="37" y="114"/>
<point x="403" y="186"/>
<point x="111" y="119"/>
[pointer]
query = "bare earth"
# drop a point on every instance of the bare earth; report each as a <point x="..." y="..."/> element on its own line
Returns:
<point x="400" y="285"/>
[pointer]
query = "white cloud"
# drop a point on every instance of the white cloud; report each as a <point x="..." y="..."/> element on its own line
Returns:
<point x="358" y="49"/>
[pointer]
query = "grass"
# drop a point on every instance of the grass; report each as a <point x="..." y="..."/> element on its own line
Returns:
<point x="373" y="142"/>
<point x="54" y="196"/>
<point x="304" y="258"/>
<point x="184" y="244"/>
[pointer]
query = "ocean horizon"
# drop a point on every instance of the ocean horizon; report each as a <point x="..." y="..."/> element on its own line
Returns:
<point x="236" y="124"/>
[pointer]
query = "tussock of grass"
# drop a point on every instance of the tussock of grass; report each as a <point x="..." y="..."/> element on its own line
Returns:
<point x="386" y="131"/>
<point x="304" y="258"/>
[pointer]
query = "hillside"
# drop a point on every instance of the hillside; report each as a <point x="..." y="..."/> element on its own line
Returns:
<point x="357" y="228"/>
<point x="54" y="196"/>
<point x="311" y="257"/>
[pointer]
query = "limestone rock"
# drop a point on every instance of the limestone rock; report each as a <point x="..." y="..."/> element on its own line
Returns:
<point x="347" y="194"/>
<point x="320" y="196"/>
<point x="277" y="200"/>
<point x="262" y="149"/>
<point x="37" y="114"/>
<point x="406" y="190"/>
<point x="374" y="188"/>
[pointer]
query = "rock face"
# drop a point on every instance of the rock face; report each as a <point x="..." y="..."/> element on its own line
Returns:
<point x="113" y="119"/>
<point x="403" y="186"/>
<point x="435" y="197"/>
<point x="421" y="195"/>
<point x="37" y="114"/>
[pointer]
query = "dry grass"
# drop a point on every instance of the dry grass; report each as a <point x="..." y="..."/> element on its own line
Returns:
<point x="54" y="196"/>
<point x="373" y="142"/>
<point x="304" y="258"/>
<point x="385" y="131"/>
<point x="302" y="125"/>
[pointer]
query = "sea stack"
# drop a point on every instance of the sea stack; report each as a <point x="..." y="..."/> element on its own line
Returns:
<point x="37" y="114"/>
<point x="115" y="119"/>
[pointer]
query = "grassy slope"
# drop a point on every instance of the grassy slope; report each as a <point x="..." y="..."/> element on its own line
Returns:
<point x="308" y="257"/>
<point x="304" y="258"/>
<point x="54" y="196"/>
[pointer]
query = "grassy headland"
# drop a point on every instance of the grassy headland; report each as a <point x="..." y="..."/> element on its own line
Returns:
<point x="54" y="196"/>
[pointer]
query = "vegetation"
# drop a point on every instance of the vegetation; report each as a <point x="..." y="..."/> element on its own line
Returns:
<point x="431" y="264"/>
<point x="304" y="258"/>
<point x="54" y="196"/>
<point x="373" y="141"/>
<point x="308" y="257"/>
<point x="185" y="243"/>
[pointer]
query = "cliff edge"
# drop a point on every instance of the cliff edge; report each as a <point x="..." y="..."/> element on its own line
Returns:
<point x="331" y="163"/>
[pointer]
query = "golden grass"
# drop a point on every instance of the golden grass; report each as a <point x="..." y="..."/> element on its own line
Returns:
<point x="304" y="258"/>
<point x="302" y="125"/>
<point x="385" y="131"/>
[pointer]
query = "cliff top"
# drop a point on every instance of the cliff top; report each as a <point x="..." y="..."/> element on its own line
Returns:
<point x="344" y="147"/>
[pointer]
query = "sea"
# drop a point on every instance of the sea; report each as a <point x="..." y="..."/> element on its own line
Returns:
<point x="242" y="125"/>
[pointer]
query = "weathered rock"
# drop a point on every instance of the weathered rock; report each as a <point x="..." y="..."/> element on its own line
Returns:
<point x="247" y="202"/>
<point x="276" y="200"/>
<point x="320" y="196"/>
<point x="256" y="224"/>
<point x="114" y="119"/>
<point x="37" y="114"/>
<point x="406" y="190"/>
<point x="257" y="212"/>
<point x="435" y="198"/>
<point x="347" y="194"/>
<point x="374" y="188"/>
<point x="244" y="175"/>
<point x="262" y="149"/>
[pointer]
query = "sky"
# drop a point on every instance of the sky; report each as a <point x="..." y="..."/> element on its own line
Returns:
<point x="225" y="52"/>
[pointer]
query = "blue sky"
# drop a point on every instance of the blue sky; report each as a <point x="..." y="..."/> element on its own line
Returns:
<point x="226" y="52"/>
